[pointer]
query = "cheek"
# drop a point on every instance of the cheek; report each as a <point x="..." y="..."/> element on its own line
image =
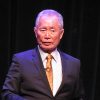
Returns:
<point x="39" y="37"/>
<point x="56" y="38"/>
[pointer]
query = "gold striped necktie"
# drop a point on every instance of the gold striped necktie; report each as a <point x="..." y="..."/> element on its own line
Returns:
<point x="49" y="71"/>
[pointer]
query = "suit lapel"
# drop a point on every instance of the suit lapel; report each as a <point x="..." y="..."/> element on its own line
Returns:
<point x="39" y="65"/>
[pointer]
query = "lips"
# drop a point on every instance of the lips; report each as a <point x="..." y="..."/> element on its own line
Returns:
<point x="46" y="43"/>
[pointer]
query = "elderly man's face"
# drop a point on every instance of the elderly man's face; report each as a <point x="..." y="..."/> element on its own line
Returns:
<point x="48" y="33"/>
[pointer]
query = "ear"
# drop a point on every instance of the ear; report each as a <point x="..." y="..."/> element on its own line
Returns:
<point x="61" y="34"/>
<point x="35" y="31"/>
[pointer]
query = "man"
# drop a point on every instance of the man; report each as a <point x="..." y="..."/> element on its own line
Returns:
<point x="27" y="78"/>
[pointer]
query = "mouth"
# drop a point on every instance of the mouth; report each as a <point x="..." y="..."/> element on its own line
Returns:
<point x="47" y="43"/>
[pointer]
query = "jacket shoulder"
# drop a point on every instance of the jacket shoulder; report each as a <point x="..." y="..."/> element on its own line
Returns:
<point x="23" y="53"/>
<point x="27" y="53"/>
<point x="69" y="57"/>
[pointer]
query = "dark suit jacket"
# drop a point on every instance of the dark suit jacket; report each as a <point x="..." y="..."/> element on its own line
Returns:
<point x="26" y="78"/>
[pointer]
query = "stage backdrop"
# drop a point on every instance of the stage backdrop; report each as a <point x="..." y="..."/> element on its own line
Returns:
<point x="81" y="38"/>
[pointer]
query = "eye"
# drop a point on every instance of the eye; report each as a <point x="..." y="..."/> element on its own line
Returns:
<point x="42" y="30"/>
<point x="53" y="30"/>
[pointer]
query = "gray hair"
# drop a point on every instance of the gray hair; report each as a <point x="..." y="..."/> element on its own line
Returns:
<point x="48" y="12"/>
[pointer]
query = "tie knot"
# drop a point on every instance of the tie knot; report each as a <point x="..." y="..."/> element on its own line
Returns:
<point x="49" y="57"/>
<point x="48" y="63"/>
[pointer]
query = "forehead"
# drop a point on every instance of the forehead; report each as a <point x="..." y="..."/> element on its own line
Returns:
<point x="50" y="20"/>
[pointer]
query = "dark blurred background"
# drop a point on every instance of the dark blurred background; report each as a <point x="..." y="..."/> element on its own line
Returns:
<point x="81" y="38"/>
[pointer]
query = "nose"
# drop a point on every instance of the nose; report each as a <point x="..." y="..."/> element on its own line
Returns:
<point x="47" y="35"/>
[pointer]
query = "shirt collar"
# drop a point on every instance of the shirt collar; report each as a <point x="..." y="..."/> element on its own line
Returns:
<point x="44" y="54"/>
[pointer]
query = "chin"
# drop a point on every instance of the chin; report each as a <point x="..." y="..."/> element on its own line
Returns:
<point x="48" y="49"/>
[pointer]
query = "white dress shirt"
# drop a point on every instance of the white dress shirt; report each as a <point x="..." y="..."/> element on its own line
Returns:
<point x="56" y="66"/>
